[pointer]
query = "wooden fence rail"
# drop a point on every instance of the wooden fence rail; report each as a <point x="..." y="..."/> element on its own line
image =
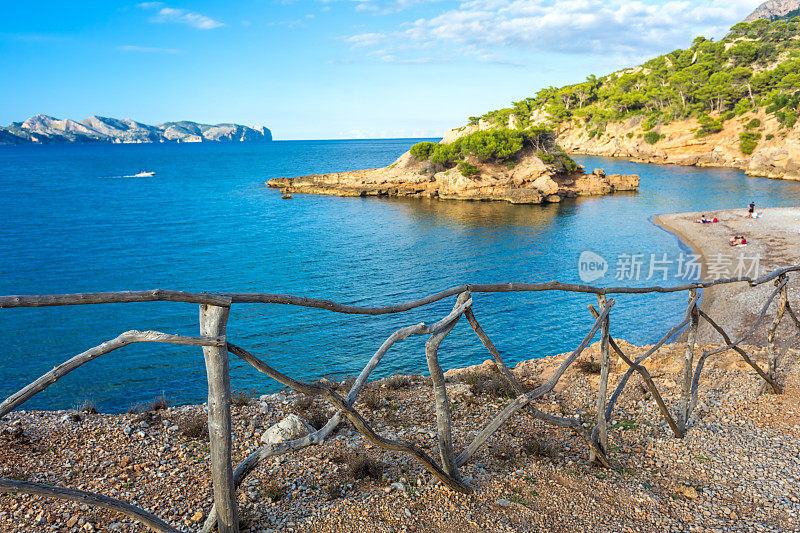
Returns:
<point x="214" y="312"/>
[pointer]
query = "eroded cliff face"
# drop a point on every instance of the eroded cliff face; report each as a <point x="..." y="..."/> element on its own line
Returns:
<point x="529" y="181"/>
<point x="777" y="154"/>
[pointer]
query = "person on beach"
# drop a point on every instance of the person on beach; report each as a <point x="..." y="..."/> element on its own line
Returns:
<point x="704" y="220"/>
<point x="751" y="210"/>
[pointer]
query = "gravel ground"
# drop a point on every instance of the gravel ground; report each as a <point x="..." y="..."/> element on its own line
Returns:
<point x="738" y="469"/>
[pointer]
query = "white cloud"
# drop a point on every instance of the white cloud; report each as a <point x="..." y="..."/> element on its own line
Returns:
<point x="148" y="49"/>
<point x="389" y="6"/>
<point x="165" y="14"/>
<point x="481" y="28"/>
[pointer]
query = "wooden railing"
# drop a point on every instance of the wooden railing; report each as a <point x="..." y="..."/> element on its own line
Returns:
<point x="214" y="311"/>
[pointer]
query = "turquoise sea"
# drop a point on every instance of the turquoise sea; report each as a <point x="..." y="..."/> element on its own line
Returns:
<point x="206" y="222"/>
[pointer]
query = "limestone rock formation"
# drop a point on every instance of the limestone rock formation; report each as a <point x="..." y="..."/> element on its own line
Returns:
<point x="777" y="154"/>
<point x="773" y="10"/>
<point x="529" y="181"/>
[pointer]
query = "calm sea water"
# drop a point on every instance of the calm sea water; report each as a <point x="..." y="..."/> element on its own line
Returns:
<point x="206" y="222"/>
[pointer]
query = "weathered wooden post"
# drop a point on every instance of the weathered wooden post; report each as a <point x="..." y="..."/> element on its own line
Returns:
<point x="688" y="365"/>
<point x="443" y="421"/>
<point x="602" y="391"/>
<point x="772" y="371"/>
<point x="213" y="322"/>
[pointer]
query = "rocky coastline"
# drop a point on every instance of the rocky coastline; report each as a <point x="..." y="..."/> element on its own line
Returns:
<point x="529" y="181"/>
<point x="777" y="154"/>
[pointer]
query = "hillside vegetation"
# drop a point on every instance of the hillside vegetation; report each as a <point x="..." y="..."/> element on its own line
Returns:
<point x="498" y="145"/>
<point x="756" y="66"/>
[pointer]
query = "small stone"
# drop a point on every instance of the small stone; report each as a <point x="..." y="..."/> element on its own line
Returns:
<point x="290" y="428"/>
<point x="198" y="516"/>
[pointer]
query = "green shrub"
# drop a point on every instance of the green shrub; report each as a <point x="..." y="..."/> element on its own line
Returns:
<point x="770" y="136"/>
<point x="748" y="141"/>
<point x="708" y="126"/>
<point x="422" y="151"/>
<point x="650" y="123"/>
<point x="445" y="155"/>
<point x="545" y="157"/>
<point x="468" y="169"/>
<point x="652" y="137"/>
<point x="742" y="107"/>
<point x="566" y="163"/>
<point x="492" y="145"/>
<point x="630" y="135"/>
<point x="498" y="145"/>
<point x="729" y="115"/>
<point x="789" y="118"/>
<point x="753" y="124"/>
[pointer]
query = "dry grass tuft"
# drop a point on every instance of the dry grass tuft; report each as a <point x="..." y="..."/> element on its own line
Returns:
<point x="588" y="366"/>
<point x="364" y="466"/>
<point x="243" y="398"/>
<point x="491" y="385"/>
<point x="194" y="426"/>
<point x="536" y="447"/>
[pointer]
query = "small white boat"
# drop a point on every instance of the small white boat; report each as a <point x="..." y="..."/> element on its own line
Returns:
<point x="143" y="174"/>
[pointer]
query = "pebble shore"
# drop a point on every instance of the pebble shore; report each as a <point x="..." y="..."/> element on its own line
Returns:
<point x="738" y="469"/>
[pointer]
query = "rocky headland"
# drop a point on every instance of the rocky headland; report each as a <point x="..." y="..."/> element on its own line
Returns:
<point x="43" y="129"/>
<point x="524" y="179"/>
<point x="732" y="102"/>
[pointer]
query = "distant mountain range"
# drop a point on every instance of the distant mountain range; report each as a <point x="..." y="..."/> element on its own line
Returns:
<point x="43" y="129"/>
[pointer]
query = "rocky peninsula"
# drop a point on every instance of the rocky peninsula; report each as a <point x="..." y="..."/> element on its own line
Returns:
<point x="530" y="175"/>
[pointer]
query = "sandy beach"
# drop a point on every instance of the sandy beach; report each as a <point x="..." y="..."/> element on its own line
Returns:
<point x="773" y="242"/>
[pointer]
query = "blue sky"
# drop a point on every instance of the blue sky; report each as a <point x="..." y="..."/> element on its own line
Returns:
<point x="318" y="69"/>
